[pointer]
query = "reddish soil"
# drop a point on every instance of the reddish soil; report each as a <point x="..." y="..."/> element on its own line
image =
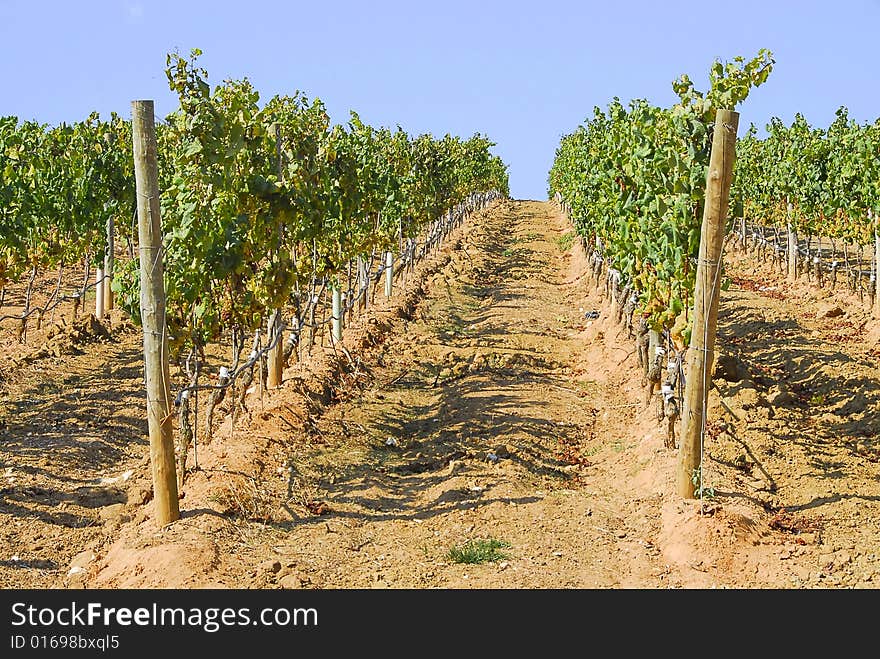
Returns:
<point x="480" y="403"/>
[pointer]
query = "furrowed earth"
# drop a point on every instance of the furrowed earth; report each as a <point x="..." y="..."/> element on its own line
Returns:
<point x="483" y="402"/>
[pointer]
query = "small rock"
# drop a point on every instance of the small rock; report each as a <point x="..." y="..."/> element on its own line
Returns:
<point x="82" y="559"/>
<point x="747" y="398"/>
<point x="111" y="512"/>
<point x="290" y="582"/>
<point x="779" y="396"/>
<point x="270" y="567"/>
<point x="76" y="578"/>
<point x="830" y="311"/>
<point x="826" y="560"/>
<point x="138" y="495"/>
<point x="454" y="467"/>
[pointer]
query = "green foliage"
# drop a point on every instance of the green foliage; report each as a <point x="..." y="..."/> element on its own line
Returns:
<point x="565" y="241"/>
<point x="635" y="176"/>
<point x="479" y="551"/>
<point x="58" y="187"/>
<point x="256" y="198"/>
<point x="729" y="85"/>
<point x="821" y="181"/>
<point x="260" y="199"/>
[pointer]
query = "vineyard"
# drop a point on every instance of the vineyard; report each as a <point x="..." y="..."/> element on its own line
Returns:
<point x="374" y="358"/>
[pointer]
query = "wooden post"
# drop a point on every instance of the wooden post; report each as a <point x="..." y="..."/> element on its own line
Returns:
<point x="653" y="344"/>
<point x="152" y="269"/>
<point x="876" y="265"/>
<point x="706" y="293"/>
<point x="792" y="247"/>
<point x="275" y="357"/>
<point x="108" y="266"/>
<point x="81" y="296"/>
<point x="336" y="318"/>
<point x="99" y="293"/>
<point x="389" y="273"/>
<point x="362" y="281"/>
<point x="276" y="354"/>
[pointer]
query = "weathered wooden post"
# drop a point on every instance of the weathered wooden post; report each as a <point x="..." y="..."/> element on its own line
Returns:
<point x="792" y="251"/>
<point x="276" y="353"/>
<point x="275" y="357"/>
<point x="108" y="266"/>
<point x="99" y="293"/>
<point x="152" y="270"/>
<point x="389" y="273"/>
<point x="336" y="317"/>
<point x="876" y="263"/>
<point x="706" y="293"/>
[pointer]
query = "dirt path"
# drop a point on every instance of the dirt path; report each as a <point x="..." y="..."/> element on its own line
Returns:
<point x="493" y="411"/>
<point x="474" y="427"/>
<point x="486" y="403"/>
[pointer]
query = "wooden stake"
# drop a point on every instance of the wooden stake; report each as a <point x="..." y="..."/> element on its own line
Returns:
<point x="156" y="371"/>
<point x="336" y="318"/>
<point x="792" y="247"/>
<point x="108" y="267"/>
<point x="276" y="354"/>
<point x="706" y="293"/>
<point x="389" y="273"/>
<point x="876" y="265"/>
<point x="99" y="293"/>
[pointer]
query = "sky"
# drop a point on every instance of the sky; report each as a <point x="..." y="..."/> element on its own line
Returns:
<point x="521" y="73"/>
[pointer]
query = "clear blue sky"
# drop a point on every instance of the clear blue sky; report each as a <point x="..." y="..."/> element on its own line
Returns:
<point x="522" y="73"/>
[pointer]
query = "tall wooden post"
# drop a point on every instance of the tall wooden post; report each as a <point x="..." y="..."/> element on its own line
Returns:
<point x="108" y="266"/>
<point x="275" y="358"/>
<point x="152" y="270"/>
<point x="706" y="293"/>
<point x="876" y="263"/>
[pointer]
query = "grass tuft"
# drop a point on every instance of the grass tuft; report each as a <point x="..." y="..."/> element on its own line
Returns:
<point x="565" y="241"/>
<point x="479" y="551"/>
